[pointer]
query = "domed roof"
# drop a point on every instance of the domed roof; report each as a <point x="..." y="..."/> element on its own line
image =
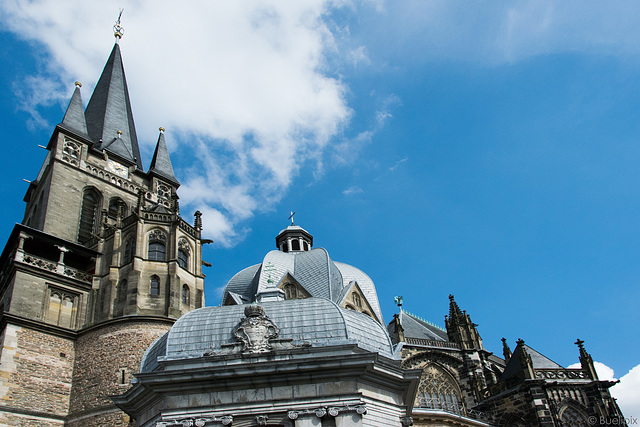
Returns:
<point x="313" y="270"/>
<point x="317" y="322"/>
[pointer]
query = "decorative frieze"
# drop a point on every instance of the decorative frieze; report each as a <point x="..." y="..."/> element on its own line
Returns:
<point x="225" y="420"/>
<point x="333" y="411"/>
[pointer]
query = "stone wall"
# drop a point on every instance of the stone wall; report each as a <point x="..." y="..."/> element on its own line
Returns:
<point x="108" y="355"/>
<point x="35" y="373"/>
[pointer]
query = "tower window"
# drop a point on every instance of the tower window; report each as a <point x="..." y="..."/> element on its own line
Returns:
<point x="88" y="215"/>
<point x="295" y="245"/>
<point x="183" y="254"/>
<point x="155" y="285"/>
<point x="185" y="294"/>
<point x="157" y="247"/>
<point x="306" y="246"/>
<point x="129" y="250"/>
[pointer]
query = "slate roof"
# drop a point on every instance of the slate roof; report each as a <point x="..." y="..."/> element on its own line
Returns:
<point x="109" y="111"/>
<point x="417" y="328"/>
<point x="539" y="361"/>
<point x="74" y="120"/>
<point x="316" y="321"/>
<point x="313" y="269"/>
<point x="161" y="163"/>
<point x="353" y="274"/>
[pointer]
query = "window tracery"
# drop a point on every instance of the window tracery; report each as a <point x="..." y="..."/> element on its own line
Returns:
<point x="71" y="152"/>
<point x="290" y="291"/>
<point x="157" y="245"/>
<point x="571" y="417"/>
<point x="163" y="191"/>
<point x="438" y="390"/>
<point x="62" y="308"/>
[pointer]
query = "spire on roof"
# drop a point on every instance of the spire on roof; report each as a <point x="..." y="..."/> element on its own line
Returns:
<point x="74" y="116"/>
<point x="454" y="310"/>
<point x="161" y="163"/>
<point x="506" y="351"/>
<point x="586" y="362"/>
<point x="108" y="115"/>
<point x="460" y="328"/>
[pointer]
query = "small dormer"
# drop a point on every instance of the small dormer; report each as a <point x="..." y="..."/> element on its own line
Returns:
<point x="294" y="239"/>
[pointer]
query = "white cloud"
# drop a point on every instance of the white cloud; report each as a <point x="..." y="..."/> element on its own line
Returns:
<point x="244" y="84"/>
<point x="626" y="391"/>
<point x="398" y="163"/>
<point x="352" y="190"/>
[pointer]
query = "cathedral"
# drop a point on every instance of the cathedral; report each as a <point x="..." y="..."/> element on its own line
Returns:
<point x="104" y="323"/>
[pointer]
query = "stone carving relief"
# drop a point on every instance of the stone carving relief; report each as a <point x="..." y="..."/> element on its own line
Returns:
<point x="256" y="330"/>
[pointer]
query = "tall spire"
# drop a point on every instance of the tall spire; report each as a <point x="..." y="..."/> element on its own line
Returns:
<point x="74" y="120"/>
<point x="161" y="163"/>
<point x="109" y="117"/>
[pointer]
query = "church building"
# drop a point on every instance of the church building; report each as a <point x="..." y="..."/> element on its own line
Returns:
<point x="103" y="320"/>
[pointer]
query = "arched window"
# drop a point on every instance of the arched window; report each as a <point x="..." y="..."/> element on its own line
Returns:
<point x="185" y="294"/>
<point x="157" y="246"/>
<point x="183" y="254"/>
<point x="306" y="246"/>
<point x="295" y="245"/>
<point x="129" y="250"/>
<point x="114" y="206"/>
<point x="290" y="291"/>
<point x="438" y="390"/>
<point x="88" y="215"/>
<point x="155" y="285"/>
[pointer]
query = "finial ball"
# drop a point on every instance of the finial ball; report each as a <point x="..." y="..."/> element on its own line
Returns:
<point x="161" y="129"/>
<point x="78" y="84"/>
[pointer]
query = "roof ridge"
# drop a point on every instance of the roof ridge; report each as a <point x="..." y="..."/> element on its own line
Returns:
<point x="420" y="319"/>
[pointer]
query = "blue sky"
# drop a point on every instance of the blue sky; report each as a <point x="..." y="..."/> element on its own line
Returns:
<point x="483" y="150"/>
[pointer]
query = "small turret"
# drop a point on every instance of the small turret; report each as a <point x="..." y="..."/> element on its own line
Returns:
<point x="294" y="238"/>
<point x="586" y="362"/>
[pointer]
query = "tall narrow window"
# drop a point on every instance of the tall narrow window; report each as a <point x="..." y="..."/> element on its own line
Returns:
<point x="129" y="250"/>
<point x="295" y="245"/>
<point x="88" y="215"/>
<point x="183" y="254"/>
<point x="155" y="285"/>
<point x="185" y="294"/>
<point x="157" y="246"/>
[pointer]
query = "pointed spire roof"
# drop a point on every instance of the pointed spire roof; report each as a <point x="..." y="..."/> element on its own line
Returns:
<point x="454" y="311"/>
<point x="538" y="360"/>
<point x="109" y="118"/>
<point x="74" y="120"/>
<point x="161" y="163"/>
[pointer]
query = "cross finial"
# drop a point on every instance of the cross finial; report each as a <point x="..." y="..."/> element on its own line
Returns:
<point x="398" y="300"/>
<point x="118" y="31"/>
<point x="291" y="217"/>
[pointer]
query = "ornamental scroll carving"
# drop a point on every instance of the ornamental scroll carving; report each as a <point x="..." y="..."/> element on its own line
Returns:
<point x="196" y="422"/>
<point x="256" y="330"/>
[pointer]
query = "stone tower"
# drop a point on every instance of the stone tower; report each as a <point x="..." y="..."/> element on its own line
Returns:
<point x="101" y="265"/>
